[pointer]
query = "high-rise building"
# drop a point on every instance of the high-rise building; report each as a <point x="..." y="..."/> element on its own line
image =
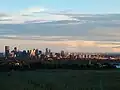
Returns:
<point x="62" y="53"/>
<point x="15" y="51"/>
<point x="7" y="48"/>
<point x="46" y="51"/>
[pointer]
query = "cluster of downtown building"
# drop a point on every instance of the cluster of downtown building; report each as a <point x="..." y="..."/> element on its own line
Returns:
<point x="49" y="55"/>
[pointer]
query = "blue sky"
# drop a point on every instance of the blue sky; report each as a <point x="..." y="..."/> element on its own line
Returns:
<point x="87" y="6"/>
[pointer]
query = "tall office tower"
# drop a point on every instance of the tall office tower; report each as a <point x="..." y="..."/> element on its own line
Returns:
<point x="62" y="53"/>
<point x="36" y="53"/>
<point x="46" y="52"/>
<point x="40" y="52"/>
<point x="51" y="55"/>
<point x="7" y="48"/>
<point x="15" y="49"/>
<point x="32" y="52"/>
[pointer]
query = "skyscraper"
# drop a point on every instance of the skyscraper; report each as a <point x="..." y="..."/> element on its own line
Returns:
<point x="15" y="51"/>
<point x="7" y="48"/>
<point x="15" y="48"/>
<point x="46" y="51"/>
<point x="62" y="53"/>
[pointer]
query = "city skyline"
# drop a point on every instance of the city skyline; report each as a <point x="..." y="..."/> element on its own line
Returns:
<point x="85" y="26"/>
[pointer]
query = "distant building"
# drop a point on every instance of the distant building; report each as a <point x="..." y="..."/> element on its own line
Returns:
<point x="62" y="53"/>
<point x="32" y="52"/>
<point x="15" y="48"/>
<point x="15" y="52"/>
<point x="1" y="54"/>
<point x="24" y="53"/>
<point x="7" y="49"/>
<point x="46" y="51"/>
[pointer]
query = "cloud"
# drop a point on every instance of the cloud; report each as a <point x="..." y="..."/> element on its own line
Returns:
<point x="74" y="31"/>
<point x="116" y="48"/>
<point x="106" y="31"/>
<point x="3" y="14"/>
<point x="42" y="15"/>
<point x="35" y="9"/>
<point x="33" y="15"/>
<point x="30" y="11"/>
<point x="5" y="19"/>
<point x="54" y="45"/>
<point x="57" y="43"/>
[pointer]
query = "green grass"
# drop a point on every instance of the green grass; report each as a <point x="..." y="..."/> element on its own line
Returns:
<point x="61" y="80"/>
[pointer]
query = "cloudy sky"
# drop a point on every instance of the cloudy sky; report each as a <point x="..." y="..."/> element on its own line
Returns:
<point x="72" y="25"/>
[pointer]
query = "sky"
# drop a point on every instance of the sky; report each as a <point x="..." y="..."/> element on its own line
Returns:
<point x="71" y="25"/>
<point x="84" y="6"/>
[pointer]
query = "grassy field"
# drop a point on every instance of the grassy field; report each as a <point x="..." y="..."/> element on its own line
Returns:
<point x="61" y="80"/>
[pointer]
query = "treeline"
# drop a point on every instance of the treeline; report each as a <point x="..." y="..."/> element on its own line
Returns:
<point x="35" y="66"/>
<point x="72" y="66"/>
